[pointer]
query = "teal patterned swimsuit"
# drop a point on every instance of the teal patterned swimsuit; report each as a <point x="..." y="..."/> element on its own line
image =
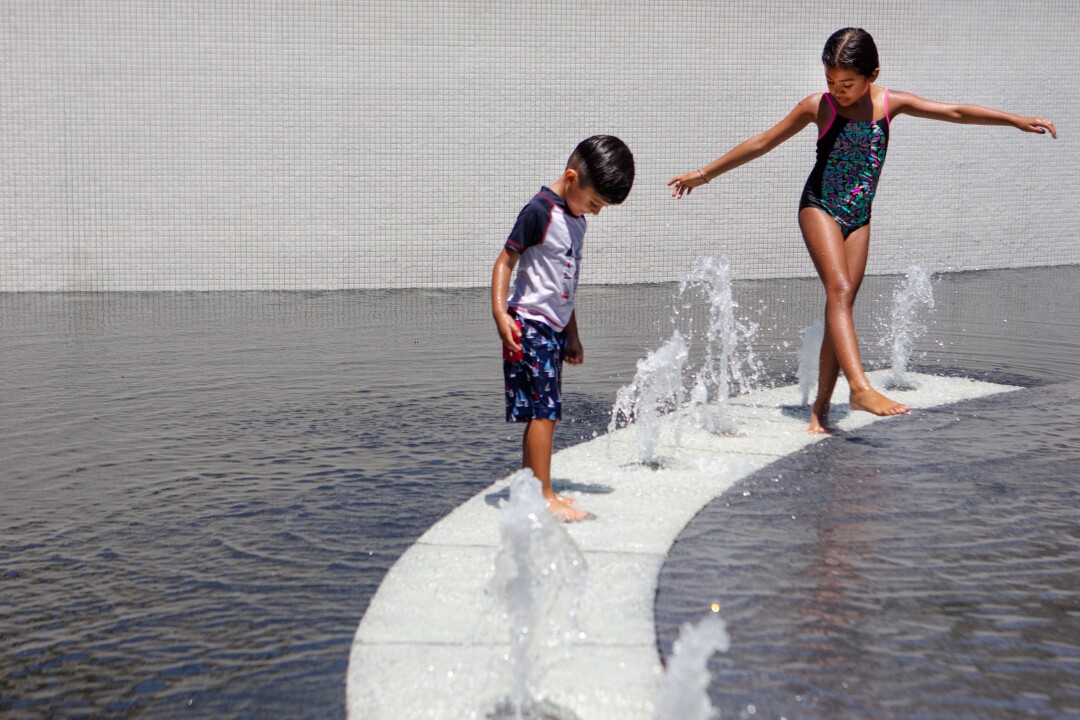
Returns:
<point x="850" y="154"/>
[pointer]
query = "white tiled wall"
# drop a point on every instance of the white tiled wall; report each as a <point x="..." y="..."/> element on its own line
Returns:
<point x="152" y="145"/>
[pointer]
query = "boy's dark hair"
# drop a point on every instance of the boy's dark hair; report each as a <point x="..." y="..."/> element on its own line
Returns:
<point x="851" y="48"/>
<point x="604" y="163"/>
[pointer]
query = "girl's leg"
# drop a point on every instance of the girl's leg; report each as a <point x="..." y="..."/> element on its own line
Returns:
<point x="828" y="372"/>
<point x="856" y="251"/>
<point x="536" y="447"/>
<point x="840" y="264"/>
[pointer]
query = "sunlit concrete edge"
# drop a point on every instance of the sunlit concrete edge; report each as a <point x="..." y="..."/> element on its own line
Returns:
<point x="431" y="645"/>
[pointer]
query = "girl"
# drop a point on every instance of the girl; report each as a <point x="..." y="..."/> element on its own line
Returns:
<point x="853" y="120"/>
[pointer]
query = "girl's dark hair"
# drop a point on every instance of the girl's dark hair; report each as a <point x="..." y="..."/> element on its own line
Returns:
<point x="851" y="48"/>
<point x="604" y="163"/>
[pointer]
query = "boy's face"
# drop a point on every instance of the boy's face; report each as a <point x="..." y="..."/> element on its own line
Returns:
<point x="582" y="200"/>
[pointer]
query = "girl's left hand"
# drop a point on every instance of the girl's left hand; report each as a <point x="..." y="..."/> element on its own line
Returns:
<point x="685" y="184"/>
<point x="1038" y="125"/>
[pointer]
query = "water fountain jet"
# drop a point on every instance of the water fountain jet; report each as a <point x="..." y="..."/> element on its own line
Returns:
<point x="540" y="578"/>
<point x="810" y="359"/>
<point x="683" y="693"/>
<point x="725" y="370"/>
<point x="912" y="296"/>
<point x="657" y="386"/>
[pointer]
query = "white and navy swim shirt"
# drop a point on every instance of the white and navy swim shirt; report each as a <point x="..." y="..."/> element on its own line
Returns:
<point x="549" y="240"/>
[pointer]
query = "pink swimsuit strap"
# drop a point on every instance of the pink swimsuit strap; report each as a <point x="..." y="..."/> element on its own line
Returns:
<point x="836" y="112"/>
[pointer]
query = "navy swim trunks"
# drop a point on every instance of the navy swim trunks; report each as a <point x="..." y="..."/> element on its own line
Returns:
<point x="533" y="384"/>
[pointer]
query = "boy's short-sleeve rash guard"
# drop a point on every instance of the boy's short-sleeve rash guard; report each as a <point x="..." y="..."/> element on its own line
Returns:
<point x="549" y="240"/>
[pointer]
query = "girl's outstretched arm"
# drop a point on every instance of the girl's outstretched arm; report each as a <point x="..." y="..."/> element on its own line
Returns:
<point x="906" y="103"/>
<point x="803" y="114"/>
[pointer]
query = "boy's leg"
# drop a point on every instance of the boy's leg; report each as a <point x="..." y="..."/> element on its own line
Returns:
<point x="533" y="397"/>
<point x="536" y="446"/>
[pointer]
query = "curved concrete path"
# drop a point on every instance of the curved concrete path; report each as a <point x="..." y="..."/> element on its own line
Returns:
<point x="431" y="645"/>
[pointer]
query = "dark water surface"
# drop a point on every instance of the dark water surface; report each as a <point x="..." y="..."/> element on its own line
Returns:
<point x="922" y="568"/>
<point x="202" y="491"/>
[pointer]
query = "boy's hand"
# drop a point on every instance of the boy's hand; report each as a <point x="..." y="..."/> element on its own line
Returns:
<point x="508" y="332"/>
<point x="575" y="353"/>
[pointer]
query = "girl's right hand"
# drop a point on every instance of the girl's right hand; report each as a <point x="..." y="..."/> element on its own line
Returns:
<point x="685" y="184"/>
<point x="1037" y="125"/>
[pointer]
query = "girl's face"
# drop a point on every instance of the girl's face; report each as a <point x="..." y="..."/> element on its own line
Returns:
<point x="848" y="86"/>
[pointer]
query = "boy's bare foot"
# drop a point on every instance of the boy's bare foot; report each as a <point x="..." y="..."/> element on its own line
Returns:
<point x="565" y="512"/>
<point x="871" y="401"/>
<point x="567" y="500"/>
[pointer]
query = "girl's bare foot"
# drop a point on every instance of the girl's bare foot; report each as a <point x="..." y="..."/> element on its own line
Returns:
<point x="819" y="420"/>
<point x="871" y="401"/>
<point x="565" y="512"/>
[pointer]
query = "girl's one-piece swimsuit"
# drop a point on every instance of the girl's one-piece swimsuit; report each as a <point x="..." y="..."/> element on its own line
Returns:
<point x="850" y="154"/>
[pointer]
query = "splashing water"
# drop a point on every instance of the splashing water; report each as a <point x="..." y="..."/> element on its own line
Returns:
<point x="913" y="295"/>
<point x="810" y="359"/>
<point x="683" y="693"/>
<point x="657" y="386"/>
<point x="540" y="579"/>
<point x="729" y="364"/>
<point x="725" y="370"/>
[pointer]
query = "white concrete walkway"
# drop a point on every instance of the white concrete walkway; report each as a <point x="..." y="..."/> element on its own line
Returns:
<point x="429" y="645"/>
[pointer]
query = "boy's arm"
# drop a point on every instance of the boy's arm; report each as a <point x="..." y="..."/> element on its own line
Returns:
<point x="500" y="285"/>
<point x="906" y="103"/>
<point x="575" y="352"/>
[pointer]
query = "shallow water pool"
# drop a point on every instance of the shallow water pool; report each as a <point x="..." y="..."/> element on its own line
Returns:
<point x="202" y="491"/>
<point x="923" y="568"/>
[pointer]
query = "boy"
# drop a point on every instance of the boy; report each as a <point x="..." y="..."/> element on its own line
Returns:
<point x="537" y="326"/>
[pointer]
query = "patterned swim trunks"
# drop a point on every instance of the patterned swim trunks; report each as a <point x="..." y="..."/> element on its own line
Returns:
<point x="533" y="384"/>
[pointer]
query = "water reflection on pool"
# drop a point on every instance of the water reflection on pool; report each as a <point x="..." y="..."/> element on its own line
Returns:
<point x="202" y="491"/>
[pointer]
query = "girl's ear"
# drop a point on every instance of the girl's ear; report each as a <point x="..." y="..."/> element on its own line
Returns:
<point x="873" y="75"/>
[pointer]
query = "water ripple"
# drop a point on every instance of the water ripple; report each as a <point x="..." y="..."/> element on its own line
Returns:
<point x="202" y="491"/>
<point x="927" y="570"/>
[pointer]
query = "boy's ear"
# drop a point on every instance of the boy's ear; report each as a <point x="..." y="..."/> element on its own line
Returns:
<point x="570" y="175"/>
